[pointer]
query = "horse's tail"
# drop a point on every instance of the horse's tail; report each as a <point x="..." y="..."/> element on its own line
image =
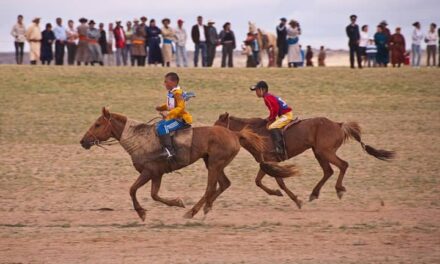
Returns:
<point x="353" y="130"/>
<point x="248" y="138"/>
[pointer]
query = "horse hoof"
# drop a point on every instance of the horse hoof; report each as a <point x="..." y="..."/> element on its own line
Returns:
<point x="142" y="214"/>
<point x="299" y="203"/>
<point x="206" y="209"/>
<point x="312" y="197"/>
<point x="180" y="203"/>
<point x="188" y="215"/>
<point x="277" y="193"/>
<point x="340" y="194"/>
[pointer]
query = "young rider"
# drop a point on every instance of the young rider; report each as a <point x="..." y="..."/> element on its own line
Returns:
<point x="176" y="118"/>
<point x="280" y="114"/>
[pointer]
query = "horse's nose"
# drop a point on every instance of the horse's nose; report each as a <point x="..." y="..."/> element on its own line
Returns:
<point x="81" y="141"/>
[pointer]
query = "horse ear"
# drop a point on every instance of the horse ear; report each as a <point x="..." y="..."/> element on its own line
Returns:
<point x="105" y="112"/>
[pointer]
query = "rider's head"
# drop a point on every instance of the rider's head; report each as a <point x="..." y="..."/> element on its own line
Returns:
<point x="260" y="88"/>
<point x="171" y="80"/>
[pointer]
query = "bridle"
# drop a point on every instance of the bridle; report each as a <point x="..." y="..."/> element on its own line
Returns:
<point x="100" y="143"/>
<point x="229" y="121"/>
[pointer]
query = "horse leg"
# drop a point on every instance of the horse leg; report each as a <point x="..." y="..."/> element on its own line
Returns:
<point x="224" y="184"/>
<point x="141" y="180"/>
<point x="259" y="183"/>
<point x="292" y="196"/>
<point x="210" y="190"/>
<point x="155" y="186"/>
<point x="342" y="166"/>
<point x="328" y="172"/>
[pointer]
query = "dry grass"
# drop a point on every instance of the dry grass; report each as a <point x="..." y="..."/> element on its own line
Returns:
<point x="51" y="189"/>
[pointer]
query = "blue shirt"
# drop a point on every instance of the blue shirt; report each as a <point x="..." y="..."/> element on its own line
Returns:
<point x="60" y="33"/>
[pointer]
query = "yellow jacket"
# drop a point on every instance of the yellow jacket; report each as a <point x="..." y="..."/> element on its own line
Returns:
<point x="176" y="106"/>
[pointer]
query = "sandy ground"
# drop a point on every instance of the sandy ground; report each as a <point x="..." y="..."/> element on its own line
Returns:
<point x="62" y="204"/>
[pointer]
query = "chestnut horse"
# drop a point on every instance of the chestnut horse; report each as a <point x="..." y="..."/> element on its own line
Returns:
<point x="216" y="145"/>
<point x="321" y="134"/>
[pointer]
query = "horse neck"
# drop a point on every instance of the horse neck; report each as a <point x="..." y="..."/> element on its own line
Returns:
<point x="118" y="124"/>
<point x="237" y="124"/>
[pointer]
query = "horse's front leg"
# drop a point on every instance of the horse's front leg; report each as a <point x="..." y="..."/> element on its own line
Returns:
<point x="259" y="183"/>
<point x="155" y="186"/>
<point x="141" y="180"/>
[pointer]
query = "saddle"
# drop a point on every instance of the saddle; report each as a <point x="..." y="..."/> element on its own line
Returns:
<point x="142" y="143"/>
<point x="283" y="131"/>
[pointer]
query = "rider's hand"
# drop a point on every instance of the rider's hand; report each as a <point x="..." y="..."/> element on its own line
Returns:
<point x="159" y="108"/>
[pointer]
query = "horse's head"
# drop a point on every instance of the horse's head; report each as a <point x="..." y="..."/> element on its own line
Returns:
<point x="222" y="120"/>
<point x="101" y="130"/>
<point x="252" y="27"/>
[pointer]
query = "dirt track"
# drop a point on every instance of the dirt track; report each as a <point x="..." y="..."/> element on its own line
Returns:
<point x="51" y="191"/>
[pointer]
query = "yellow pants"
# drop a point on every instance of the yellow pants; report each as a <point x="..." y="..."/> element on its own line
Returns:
<point x="281" y="121"/>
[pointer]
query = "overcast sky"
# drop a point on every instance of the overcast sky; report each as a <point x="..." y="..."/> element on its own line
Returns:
<point x="322" y="21"/>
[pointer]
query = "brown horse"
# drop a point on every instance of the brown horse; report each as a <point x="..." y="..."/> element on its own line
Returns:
<point x="321" y="134"/>
<point x="216" y="145"/>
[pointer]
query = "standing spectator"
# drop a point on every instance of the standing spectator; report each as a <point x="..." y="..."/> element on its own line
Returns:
<point x="431" y="45"/>
<point x="247" y="50"/>
<point x="281" y="41"/>
<point x="381" y="41"/>
<point x="60" y="42"/>
<point x="47" y="39"/>
<point x="397" y="48"/>
<point x="103" y="41"/>
<point x="145" y="28"/>
<point x="154" y="54"/>
<point x="93" y="36"/>
<point x="138" y="46"/>
<point x="199" y="37"/>
<point x="110" y="38"/>
<point x="82" y="52"/>
<point x="438" y="34"/>
<point x="33" y="36"/>
<point x="353" y="35"/>
<point x="227" y="39"/>
<point x="120" y="44"/>
<point x="417" y="37"/>
<point x="321" y="57"/>
<point x="180" y="37"/>
<point x="387" y="33"/>
<point x="72" y="36"/>
<point x="371" y="53"/>
<point x="293" y="51"/>
<point x="211" y="42"/>
<point x="127" y="49"/>
<point x="309" y="56"/>
<point x="19" y="33"/>
<point x="363" y="42"/>
<point x="167" y="46"/>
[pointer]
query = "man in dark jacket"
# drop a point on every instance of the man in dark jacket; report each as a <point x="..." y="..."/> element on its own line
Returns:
<point x="212" y="42"/>
<point x="354" y="36"/>
<point x="199" y="37"/>
<point x="281" y="41"/>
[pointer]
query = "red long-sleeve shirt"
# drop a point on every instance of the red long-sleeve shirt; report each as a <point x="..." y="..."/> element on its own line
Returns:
<point x="276" y="105"/>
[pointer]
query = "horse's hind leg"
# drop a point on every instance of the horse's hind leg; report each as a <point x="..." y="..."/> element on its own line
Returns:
<point x="155" y="186"/>
<point x="259" y="183"/>
<point x="141" y="180"/>
<point x="328" y="172"/>
<point x="342" y="165"/>
<point x="224" y="184"/>
<point x="292" y="196"/>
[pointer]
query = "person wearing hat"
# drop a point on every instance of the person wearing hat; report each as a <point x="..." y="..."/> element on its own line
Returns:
<point x="167" y="46"/>
<point x="417" y="37"/>
<point x="211" y="42"/>
<point x="431" y="45"/>
<point x="93" y="36"/>
<point x="199" y="34"/>
<point x="82" y="52"/>
<point x="180" y="37"/>
<point x="19" y="33"/>
<point x="120" y="39"/>
<point x="354" y="36"/>
<point x="281" y="41"/>
<point x="280" y="114"/>
<point x="47" y="40"/>
<point x="33" y="36"/>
